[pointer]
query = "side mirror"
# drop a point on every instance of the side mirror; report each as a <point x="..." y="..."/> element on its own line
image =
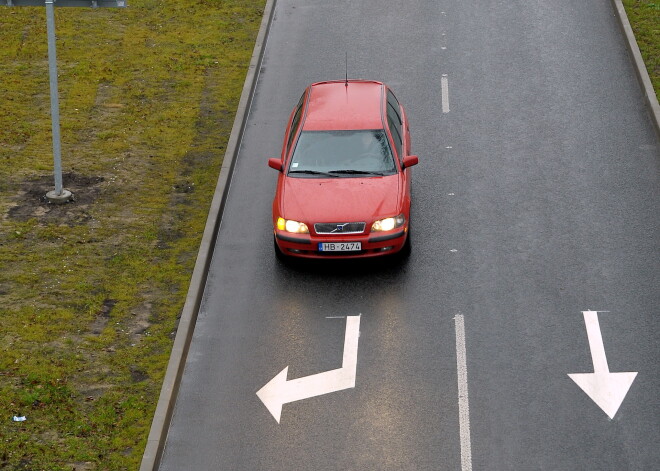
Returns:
<point x="410" y="160"/>
<point x="276" y="164"/>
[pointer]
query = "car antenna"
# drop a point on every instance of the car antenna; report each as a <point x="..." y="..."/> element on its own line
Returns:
<point x="346" y="82"/>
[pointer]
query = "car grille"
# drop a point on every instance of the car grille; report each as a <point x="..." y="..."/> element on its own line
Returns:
<point x="339" y="228"/>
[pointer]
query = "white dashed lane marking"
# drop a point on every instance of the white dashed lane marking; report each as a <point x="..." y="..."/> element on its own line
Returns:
<point x="463" y="401"/>
<point x="444" y="83"/>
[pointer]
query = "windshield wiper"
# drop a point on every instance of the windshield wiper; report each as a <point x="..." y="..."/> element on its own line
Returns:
<point x="312" y="172"/>
<point x="357" y="172"/>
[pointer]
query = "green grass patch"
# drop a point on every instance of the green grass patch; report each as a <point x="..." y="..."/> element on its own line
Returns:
<point x="644" y="17"/>
<point x="90" y="292"/>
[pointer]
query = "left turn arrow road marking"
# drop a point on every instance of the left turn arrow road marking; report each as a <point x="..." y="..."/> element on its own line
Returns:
<point x="279" y="391"/>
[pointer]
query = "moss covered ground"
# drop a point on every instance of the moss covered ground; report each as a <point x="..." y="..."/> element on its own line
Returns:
<point x="644" y="16"/>
<point x="90" y="292"/>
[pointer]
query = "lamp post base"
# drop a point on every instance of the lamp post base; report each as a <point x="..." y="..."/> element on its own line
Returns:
<point x="62" y="198"/>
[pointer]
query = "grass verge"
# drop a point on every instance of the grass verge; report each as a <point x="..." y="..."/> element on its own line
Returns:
<point x="644" y="17"/>
<point x="90" y="292"/>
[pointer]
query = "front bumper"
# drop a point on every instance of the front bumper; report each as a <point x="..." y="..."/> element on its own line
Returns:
<point x="373" y="245"/>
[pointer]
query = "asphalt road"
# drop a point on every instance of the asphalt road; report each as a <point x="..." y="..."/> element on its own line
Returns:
<point x="536" y="198"/>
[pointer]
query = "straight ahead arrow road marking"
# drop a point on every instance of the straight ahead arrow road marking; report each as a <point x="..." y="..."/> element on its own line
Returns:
<point x="278" y="391"/>
<point x="607" y="390"/>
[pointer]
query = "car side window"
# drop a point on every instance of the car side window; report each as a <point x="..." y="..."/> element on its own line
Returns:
<point x="296" y="121"/>
<point x="395" y="129"/>
<point x="393" y="106"/>
<point x="394" y="122"/>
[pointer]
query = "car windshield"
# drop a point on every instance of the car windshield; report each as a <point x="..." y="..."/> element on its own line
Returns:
<point x="342" y="154"/>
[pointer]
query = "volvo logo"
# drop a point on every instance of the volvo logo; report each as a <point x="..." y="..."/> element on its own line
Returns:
<point x="340" y="227"/>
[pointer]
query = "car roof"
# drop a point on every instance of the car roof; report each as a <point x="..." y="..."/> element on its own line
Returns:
<point x="335" y="106"/>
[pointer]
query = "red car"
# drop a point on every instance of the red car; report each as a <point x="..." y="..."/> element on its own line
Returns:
<point x="343" y="190"/>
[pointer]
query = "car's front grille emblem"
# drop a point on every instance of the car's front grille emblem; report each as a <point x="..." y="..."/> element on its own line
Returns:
<point x="339" y="228"/>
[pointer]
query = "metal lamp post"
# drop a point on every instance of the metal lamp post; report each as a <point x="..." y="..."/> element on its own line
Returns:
<point x="59" y="194"/>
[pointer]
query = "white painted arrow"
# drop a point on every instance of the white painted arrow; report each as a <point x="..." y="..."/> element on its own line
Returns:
<point x="607" y="390"/>
<point x="278" y="391"/>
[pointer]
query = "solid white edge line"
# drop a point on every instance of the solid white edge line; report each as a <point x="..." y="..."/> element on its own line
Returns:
<point x="463" y="400"/>
<point x="444" y="83"/>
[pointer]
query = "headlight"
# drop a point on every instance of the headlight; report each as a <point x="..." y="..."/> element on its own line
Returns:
<point x="388" y="224"/>
<point x="292" y="226"/>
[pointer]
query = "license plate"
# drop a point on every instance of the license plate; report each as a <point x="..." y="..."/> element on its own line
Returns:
<point x="340" y="246"/>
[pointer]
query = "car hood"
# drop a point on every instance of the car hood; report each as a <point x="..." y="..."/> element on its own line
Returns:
<point x="341" y="199"/>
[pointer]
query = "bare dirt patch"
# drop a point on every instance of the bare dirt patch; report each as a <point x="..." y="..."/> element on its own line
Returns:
<point x="102" y="317"/>
<point x="30" y="201"/>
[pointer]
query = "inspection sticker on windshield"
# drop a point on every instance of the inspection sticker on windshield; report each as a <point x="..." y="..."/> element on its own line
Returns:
<point x="340" y="246"/>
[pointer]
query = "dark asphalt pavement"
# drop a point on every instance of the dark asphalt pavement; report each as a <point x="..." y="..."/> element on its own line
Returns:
<point x="536" y="198"/>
